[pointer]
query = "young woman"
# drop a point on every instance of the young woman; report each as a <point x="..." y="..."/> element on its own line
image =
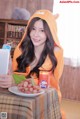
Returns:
<point x="39" y="50"/>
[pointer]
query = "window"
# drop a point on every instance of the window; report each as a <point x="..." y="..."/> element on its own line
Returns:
<point x="68" y="24"/>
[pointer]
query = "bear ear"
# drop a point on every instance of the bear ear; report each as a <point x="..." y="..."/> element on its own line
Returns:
<point x="56" y="16"/>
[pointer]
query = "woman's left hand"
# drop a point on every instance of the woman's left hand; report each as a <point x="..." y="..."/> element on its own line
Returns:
<point x="6" y="81"/>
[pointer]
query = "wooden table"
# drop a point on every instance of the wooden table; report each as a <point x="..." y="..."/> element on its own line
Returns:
<point x="44" y="106"/>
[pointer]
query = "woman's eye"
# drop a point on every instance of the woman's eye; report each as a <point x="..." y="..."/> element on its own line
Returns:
<point x="42" y="30"/>
<point x="33" y="28"/>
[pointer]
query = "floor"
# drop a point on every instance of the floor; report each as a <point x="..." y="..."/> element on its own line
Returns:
<point x="71" y="108"/>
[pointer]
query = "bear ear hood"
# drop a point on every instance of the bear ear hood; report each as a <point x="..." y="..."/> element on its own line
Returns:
<point x="51" y="21"/>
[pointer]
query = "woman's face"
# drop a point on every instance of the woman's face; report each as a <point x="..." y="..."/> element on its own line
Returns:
<point x="37" y="33"/>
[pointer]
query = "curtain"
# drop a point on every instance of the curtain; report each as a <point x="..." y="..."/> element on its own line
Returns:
<point x="68" y="24"/>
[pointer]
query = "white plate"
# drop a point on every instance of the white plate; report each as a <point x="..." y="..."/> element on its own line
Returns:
<point x="15" y="90"/>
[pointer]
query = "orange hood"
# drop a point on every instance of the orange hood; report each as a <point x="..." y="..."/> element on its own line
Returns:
<point x="51" y="21"/>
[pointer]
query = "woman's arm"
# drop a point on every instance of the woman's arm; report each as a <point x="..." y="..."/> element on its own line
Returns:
<point x="6" y="81"/>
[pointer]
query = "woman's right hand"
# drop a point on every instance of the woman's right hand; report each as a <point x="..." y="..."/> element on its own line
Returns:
<point x="6" y="81"/>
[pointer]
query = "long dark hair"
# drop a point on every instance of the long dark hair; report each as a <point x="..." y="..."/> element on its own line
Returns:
<point x="27" y="48"/>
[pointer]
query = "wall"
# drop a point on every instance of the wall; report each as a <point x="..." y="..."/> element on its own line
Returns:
<point x="70" y="83"/>
<point x="7" y="6"/>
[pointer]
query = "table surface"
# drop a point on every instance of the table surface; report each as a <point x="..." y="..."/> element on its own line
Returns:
<point x="44" y="106"/>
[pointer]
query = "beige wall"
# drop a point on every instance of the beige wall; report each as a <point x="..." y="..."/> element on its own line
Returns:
<point x="7" y="6"/>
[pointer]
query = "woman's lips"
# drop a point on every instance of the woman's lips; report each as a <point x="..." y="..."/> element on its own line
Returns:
<point x="36" y="40"/>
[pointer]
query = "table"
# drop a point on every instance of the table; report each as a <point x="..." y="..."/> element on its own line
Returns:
<point x="44" y="106"/>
